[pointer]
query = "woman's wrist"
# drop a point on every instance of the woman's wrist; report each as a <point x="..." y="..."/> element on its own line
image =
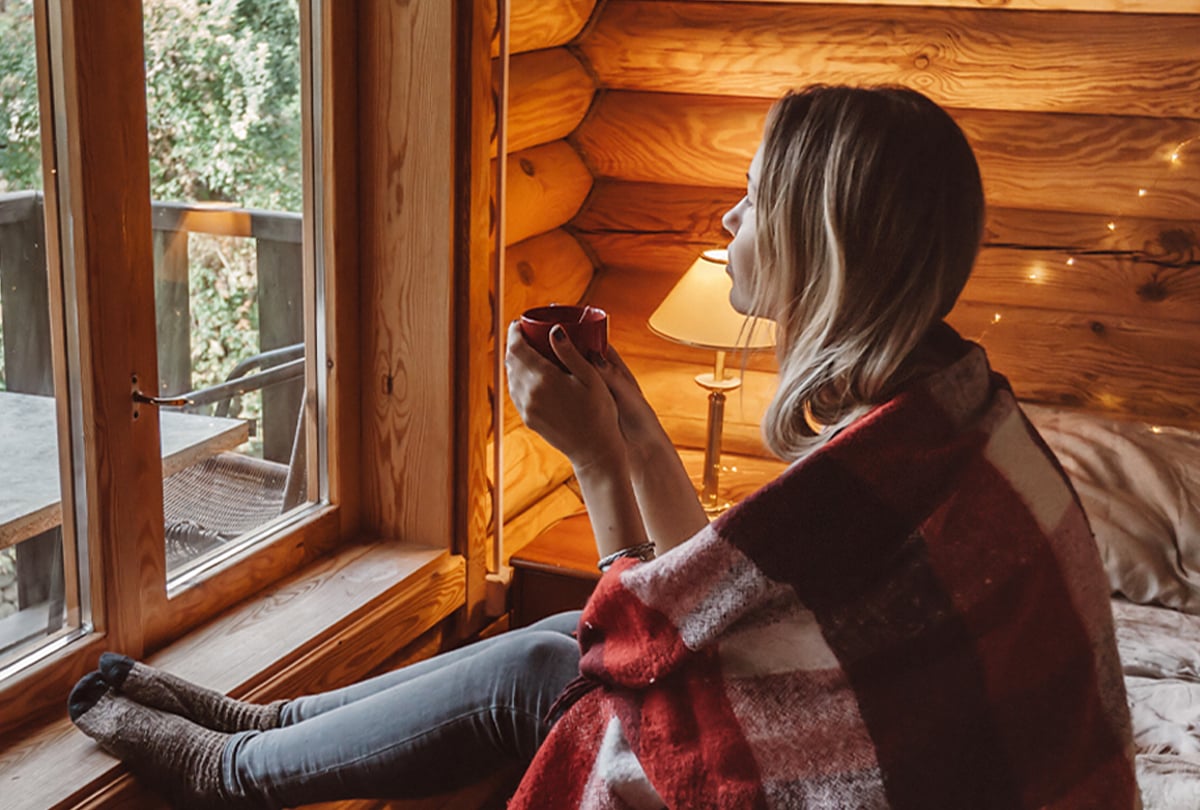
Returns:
<point x="608" y="459"/>
<point x="646" y="455"/>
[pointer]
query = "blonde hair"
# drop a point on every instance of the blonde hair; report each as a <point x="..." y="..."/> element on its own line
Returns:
<point x="869" y="216"/>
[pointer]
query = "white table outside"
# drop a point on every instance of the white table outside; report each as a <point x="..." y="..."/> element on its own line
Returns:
<point x="30" y="501"/>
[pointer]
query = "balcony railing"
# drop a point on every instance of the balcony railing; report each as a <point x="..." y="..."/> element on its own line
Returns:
<point x="24" y="298"/>
<point x="26" y="311"/>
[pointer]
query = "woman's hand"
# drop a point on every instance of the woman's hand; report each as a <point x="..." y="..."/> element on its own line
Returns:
<point x="573" y="411"/>
<point x="671" y="512"/>
<point x="639" y="423"/>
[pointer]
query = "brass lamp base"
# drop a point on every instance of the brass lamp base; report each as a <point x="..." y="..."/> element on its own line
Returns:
<point x="717" y="384"/>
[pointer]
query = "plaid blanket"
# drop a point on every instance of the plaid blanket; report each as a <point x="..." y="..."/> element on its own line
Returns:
<point x="914" y="616"/>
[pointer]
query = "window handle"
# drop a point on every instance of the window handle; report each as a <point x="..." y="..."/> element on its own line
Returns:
<point x="158" y="402"/>
<point x="169" y="402"/>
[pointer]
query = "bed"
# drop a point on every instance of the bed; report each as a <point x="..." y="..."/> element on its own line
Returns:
<point x="1140" y="486"/>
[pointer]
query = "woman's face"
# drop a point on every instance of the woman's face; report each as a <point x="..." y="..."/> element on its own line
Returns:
<point x="739" y="221"/>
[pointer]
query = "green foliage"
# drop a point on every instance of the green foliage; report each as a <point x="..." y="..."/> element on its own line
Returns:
<point x="20" y="140"/>
<point x="223" y="103"/>
<point x="224" y="303"/>
<point x="224" y="124"/>
<point x="223" y="99"/>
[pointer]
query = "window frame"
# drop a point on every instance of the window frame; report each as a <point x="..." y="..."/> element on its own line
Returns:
<point x="95" y="154"/>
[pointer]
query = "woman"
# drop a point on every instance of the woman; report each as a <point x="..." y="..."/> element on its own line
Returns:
<point x="912" y="615"/>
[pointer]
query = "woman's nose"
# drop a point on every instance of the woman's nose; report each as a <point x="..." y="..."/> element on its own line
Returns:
<point x="732" y="219"/>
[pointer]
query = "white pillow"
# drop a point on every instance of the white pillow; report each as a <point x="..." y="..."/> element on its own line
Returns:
<point x="1140" y="488"/>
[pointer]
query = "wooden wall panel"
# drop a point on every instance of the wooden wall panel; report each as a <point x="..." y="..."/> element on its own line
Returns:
<point x="532" y="470"/>
<point x="537" y="24"/>
<point x="630" y="295"/>
<point x="1092" y="164"/>
<point x="547" y="269"/>
<point x="549" y="93"/>
<point x="617" y="211"/>
<point x="546" y="186"/>
<point x="405" y="132"/>
<point x="1091" y="248"/>
<point x="652" y="227"/>
<point x="666" y="254"/>
<point x="1166" y="240"/>
<point x="1045" y="62"/>
<point x="617" y="207"/>
<point x="1084" y="163"/>
<point x="1145" y="268"/>
<point x="1111" y="364"/>
<point x="1102" y="285"/>
<point x="691" y="140"/>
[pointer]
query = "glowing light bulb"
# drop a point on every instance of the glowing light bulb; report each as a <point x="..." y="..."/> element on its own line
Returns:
<point x="1071" y="261"/>
<point x="1142" y="192"/>
<point x="1034" y="276"/>
<point x="1174" y="157"/>
<point x="996" y="318"/>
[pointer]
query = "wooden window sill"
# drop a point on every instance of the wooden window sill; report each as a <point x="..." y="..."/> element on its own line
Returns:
<point x="327" y="625"/>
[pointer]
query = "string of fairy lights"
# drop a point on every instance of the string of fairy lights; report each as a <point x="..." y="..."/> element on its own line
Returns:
<point x="1174" y="159"/>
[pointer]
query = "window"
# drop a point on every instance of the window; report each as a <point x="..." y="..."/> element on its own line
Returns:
<point x="39" y="589"/>
<point x="178" y="263"/>
<point x="223" y="96"/>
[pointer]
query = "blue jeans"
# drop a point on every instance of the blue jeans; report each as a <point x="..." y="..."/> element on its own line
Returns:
<point x="422" y="730"/>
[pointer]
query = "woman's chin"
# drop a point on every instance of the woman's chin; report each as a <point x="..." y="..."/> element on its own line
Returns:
<point x="739" y="306"/>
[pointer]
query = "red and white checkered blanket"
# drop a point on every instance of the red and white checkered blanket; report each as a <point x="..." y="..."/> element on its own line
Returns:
<point x="914" y="616"/>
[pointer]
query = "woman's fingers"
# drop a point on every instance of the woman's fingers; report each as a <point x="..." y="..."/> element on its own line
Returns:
<point x="619" y="379"/>
<point x="576" y="363"/>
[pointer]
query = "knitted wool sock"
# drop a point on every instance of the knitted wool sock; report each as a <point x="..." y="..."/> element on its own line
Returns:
<point x="171" y="754"/>
<point x="162" y="690"/>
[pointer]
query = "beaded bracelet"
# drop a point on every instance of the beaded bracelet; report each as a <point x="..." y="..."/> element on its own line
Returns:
<point x="643" y="551"/>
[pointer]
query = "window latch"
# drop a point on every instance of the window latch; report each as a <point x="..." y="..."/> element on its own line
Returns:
<point x="168" y="402"/>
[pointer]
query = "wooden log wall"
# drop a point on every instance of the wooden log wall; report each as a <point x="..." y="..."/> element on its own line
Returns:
<point x="1086" y="126"/>
<point x="550" y="92"/>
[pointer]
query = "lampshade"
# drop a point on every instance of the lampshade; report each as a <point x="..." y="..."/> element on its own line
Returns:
<point x="697" y="311"/>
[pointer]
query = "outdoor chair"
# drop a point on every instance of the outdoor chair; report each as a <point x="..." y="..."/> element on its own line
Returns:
<point x="223" y="497"/>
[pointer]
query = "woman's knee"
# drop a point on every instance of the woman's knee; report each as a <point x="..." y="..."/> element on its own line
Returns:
<point x="552" y="656"/>
<point x="564" y="623"/>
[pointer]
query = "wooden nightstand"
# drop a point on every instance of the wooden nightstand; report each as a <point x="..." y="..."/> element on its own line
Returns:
<point x="555" y="572"/>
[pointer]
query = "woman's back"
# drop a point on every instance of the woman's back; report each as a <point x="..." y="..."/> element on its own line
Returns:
<point x="913" y="616"/>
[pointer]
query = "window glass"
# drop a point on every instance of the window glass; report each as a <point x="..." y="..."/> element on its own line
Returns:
<point x="39" y="594"/>
<point x="223" y="89"/>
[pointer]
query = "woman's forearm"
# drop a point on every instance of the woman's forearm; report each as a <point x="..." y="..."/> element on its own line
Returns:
<point x="670" y="508"/>
<point x="611" y="504"/>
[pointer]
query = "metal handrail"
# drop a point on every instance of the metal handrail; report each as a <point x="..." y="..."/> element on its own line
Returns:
<point x="267" y="359"/>
<point x="274" y="375"/>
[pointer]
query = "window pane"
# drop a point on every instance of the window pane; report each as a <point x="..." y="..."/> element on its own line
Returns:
<point x="223" y="94"/>
<point x="38" y="582"/>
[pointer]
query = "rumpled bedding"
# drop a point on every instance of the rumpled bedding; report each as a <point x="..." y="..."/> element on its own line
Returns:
<point x="914" y="616"/>
<point x="1160" y="657"/>
<point x="1140" y="487"/>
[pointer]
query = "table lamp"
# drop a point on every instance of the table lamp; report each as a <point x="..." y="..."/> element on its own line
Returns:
<point x="697" y="312"/>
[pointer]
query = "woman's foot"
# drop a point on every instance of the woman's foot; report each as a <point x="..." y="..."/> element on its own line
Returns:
<point x="170" y="693"/>
<point x="171" y="754"/>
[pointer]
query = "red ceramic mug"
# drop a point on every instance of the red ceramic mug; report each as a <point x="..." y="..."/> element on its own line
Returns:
<point x="587" y="327"/>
